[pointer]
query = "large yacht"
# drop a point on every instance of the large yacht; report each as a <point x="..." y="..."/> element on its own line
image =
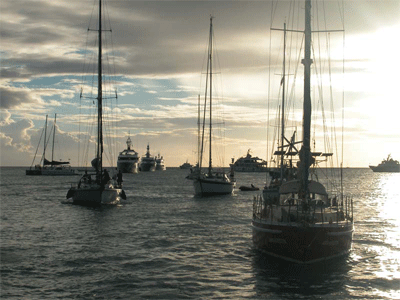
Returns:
<point x="249" y="163"/>
<point x="160" y="166"/>
<point x="148" y="162"/>
<point x="128" y="159"/>
<point x="387" y="165"/>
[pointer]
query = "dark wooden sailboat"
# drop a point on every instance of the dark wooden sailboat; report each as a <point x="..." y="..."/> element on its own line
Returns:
<point x="296" y="219"/>
<point x="101" y="189"/>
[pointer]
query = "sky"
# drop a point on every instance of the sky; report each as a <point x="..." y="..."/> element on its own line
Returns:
<point x="159" y="54"/>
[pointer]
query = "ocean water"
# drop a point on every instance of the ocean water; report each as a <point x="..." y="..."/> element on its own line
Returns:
<point x="164" y="243"/>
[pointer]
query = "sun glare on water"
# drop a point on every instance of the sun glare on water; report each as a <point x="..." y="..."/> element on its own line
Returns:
<point x="389" y="254"/>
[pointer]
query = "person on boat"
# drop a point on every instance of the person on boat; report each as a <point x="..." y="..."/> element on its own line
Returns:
<point x="119" y="178"/>
<point x="106" y="177"/>
<point x="87" y="178"/>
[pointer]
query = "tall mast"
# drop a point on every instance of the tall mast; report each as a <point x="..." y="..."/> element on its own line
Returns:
<point x="210" y="58"/>
<point x="198" y="129"/>
<point x="54" y="136"/>
<point x="305" y="154"/>
<point x="45" y="140"/>
<point x="283" y="98"/>
<point x="99" y="100"/>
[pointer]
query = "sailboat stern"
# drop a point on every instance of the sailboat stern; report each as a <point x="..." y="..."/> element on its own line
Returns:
<point x="213" y="186"/>
<point x="303" y="244"/>
<point x="96" y="196"/>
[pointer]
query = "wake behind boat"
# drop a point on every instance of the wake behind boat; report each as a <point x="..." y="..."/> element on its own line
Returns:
<point x="102" y="189"/>
<point x="296" y="219"/>
<point x="387" y="165"/>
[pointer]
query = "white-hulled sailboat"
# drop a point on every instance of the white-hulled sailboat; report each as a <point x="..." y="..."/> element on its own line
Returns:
<point x="211" y="183"/>
<point x="101" y="189"/>
<point x="53" y="167"/>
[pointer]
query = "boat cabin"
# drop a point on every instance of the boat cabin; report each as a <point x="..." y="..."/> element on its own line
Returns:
<point x="290" y="194"/>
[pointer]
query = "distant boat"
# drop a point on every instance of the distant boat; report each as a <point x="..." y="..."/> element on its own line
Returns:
<point x="50" y="168"/>
<point x="387" y="165"/>
<point x="185" y="166"/>
<point x="160" y="165"/>
<point x="212" y="182"/>
<point x="296" y="219"/>
<point x="148" y="162"/>
<point x="249" y="163"/>
<point x="245" y="188"/>
<point x="102" y="189"/>
<point x="128" y="159"/>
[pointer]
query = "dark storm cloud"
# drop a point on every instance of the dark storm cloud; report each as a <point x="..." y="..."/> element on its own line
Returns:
<point x="12" y="97"/>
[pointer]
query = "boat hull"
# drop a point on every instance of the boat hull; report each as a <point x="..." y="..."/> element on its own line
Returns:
<point x="95" y="197"/>
<point x="160" y="167"/>
<point x="303" y="243"/>
<point x="207" y="187"/>
<point x="388" y="169"/>
<point x="128" y="167"/>
<point x="147" y="167"/>
<point x="246" y="169"/>
<point x="52" y="172"/>
<point x="33" y="172"/>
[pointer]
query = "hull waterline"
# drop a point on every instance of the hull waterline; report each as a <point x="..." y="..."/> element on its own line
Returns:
<point x="128" y="167"/>
<point x="204" y="187"/>
<point x="303" y="244"/>
<point x="95" y="197"/>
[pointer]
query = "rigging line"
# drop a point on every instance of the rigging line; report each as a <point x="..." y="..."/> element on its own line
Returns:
<point x="298" y="60"/>
<point x="320" y="101"/>
<point x="343" y="101"/>
<point x="37" y="148"/>
<point x="201" y="144"/>
<point x="291" y="98"/>
<point x="332" y="127"/>
<point x="83" y="78"/>
<point x="220" y="107"/>
<point x="205" y="100"/>
<point x="269" y="77"/>
<point x="333" y="130"/>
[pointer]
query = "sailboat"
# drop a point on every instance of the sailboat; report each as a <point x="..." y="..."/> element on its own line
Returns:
<point x="46" y="167"/>
<point x="296" y="219"/>
<point x="211" y="183"/>
<point x="101" y="189"/>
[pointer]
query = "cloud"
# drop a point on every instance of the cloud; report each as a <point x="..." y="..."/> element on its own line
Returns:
<point x="159" y="49"/>
<point x="15" y="137"/>
<point x="12" y="97"/>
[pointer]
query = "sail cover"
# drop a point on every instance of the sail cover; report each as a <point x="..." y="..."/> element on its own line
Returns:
<point x="54" y="163"/>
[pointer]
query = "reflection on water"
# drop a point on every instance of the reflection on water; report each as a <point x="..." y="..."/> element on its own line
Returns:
<point x="377" y="235"/>
<point x="389" y="253"/>
<point x="163" y="243"/>
<point x="289" y="280"/>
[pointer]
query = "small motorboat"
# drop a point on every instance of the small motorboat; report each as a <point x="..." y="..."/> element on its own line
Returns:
<point x="248" y="188"/>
